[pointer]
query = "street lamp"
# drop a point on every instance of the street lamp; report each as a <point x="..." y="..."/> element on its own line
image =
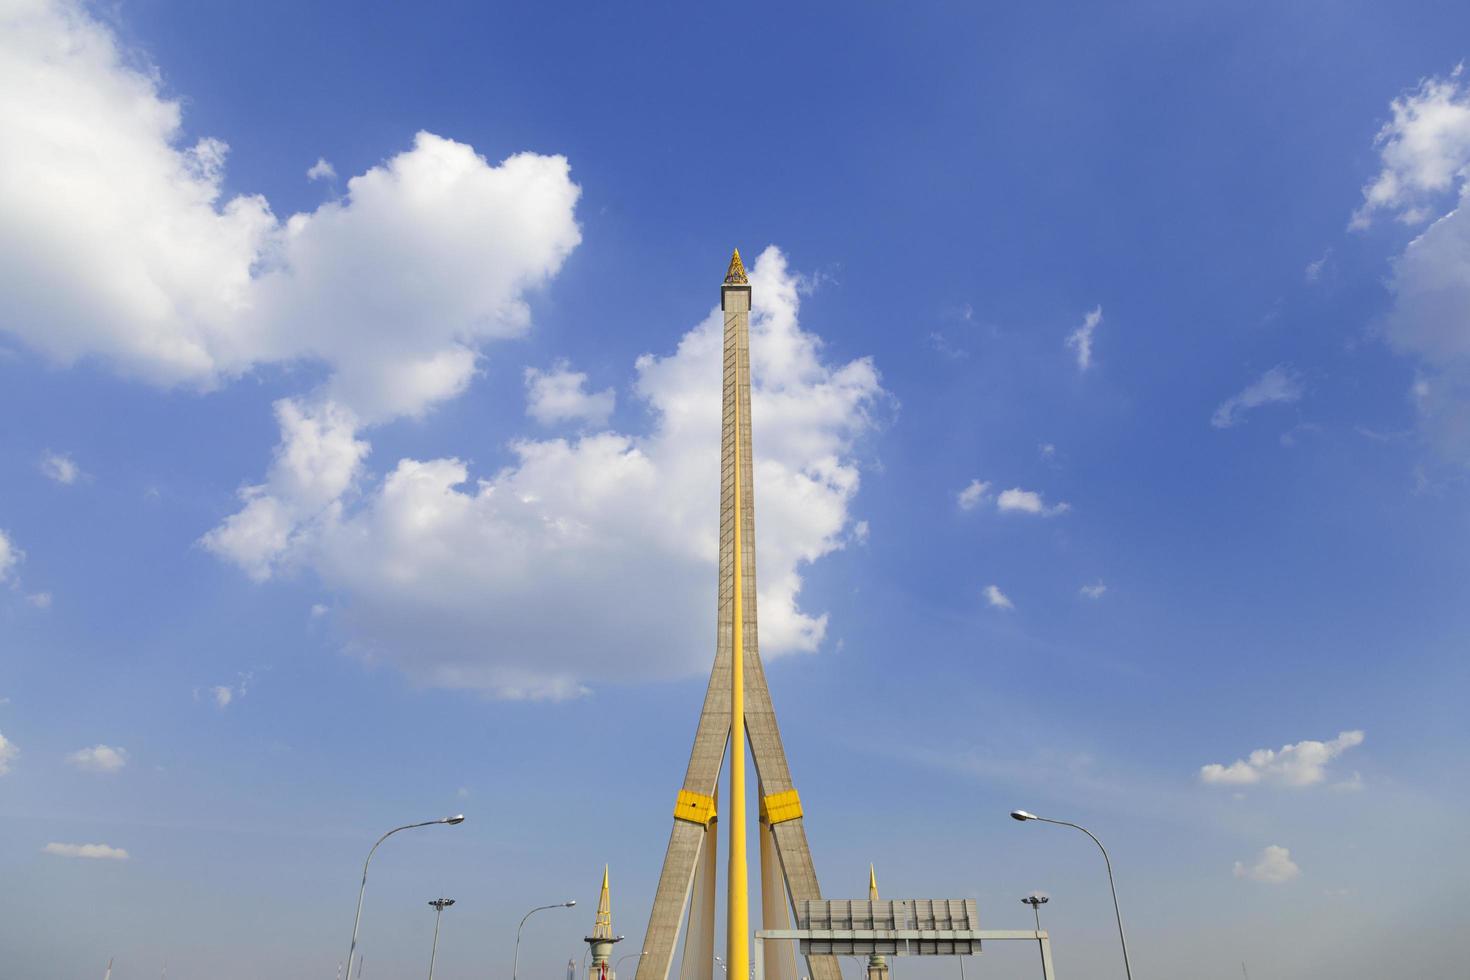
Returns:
<point x="1023" y="816"/>
<point x="516" y="965"/>
<point x="618" y="962"/>
<point x="1036" y="900"/>
<point x="438" y="905"/>
<point x="352" y="950"/>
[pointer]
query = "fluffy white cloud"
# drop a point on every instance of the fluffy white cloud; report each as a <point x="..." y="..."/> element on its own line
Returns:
<point x="1080" y="340"/>
<point x="1273" y="866"/>
<point x="10" y="556"/>
<point x="1424" y="149"/>
<point x="223" y="695"/>
<point x="1301" y="764"/>
<point x="1094" y="591"/>
<point x="1425" y="153"/>
<point x="41" y="600"/>
<point x="60" y="467"/>
<point x="317" y="461"/>
<point x="115" y="243"/>
<point x="8" y="753"/>
<point x="321" y="170"/>
<point x="1279" y="384"/>
<point x="99" y="758"/>
<point x="94" y="851"/>
<point x="561" y="395"/>
<point x="997" y="598"/>
<point x="973" y="495"/>
<point x="587" y="559"/>
<point x="1018" y="501"/>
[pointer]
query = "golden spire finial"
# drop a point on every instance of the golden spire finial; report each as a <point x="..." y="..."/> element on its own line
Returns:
<point x="872" y="884"/>
<point x="602" y="928"/>
<point x="735" y="275"/>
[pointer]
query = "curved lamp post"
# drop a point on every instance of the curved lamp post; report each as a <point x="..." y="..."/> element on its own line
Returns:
<point x="352" y="950"/>
<point x="619" y="961"/>
<point x="515" y="966"/>
<point x="1023" y="816"/>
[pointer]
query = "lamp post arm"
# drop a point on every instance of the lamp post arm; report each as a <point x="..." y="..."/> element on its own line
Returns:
<point x="516" y="963"/>
<point x="363" y="887"/>
<point x="1108" y="863"/>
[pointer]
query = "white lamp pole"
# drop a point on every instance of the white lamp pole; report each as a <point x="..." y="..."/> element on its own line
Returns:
<point x="352" y="950"/>
<point x="1023" y="816"/>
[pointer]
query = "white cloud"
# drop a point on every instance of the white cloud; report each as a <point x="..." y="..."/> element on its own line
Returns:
<point x="95" y="851"/>
<point x="8" y="753"/>
<point x="1279" y="384"/>
<point x="321" y="170"/>
<point x="1274" y="866"/>
<point x="10" y="556"/>
<point x="973" y="495"/>
<point x="60" y="467"/>
<point x="1046" y="450"/>
<point x="1094" y="591"/>
<point x="1424" y="149"/>
<point x="1080" y="339"/>
<point x="588" y="559"/>
<point x="997" y="598"/>
<point x="41" y="600"/>
<point x="1016" y="500"/>
<point x="99" y="758"/>
<point x="560" y="395"/>
<point x="316" y="463"/>
<point x="115" y="242"/>
<point x="1300" y="764"/>
<point x="223" y="695"/>
<point x="1314" y="269"/>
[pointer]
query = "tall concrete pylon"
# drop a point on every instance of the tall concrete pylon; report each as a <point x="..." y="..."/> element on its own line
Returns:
<point x="785" y="855"/>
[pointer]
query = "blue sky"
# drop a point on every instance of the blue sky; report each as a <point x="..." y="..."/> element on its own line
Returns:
<point x="1112" y="410"/>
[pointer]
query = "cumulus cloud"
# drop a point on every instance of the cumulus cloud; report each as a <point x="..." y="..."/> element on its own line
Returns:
<point x="95" y="851"/>
<point x="10" y="556"/>
<point x="1080" y="340"/>
<point x="1279" y="384"/>
<point x="973" y="495"/>
<point x="316" y="462"/>
<point x="1273" y="866"/>
<point x="1018" y="501"/>
<point x="1425" y="155"/>
<point x="1423" y="148"/>
<point x="41" y="600"/>
<point x="1300" y="764"/>
<point x="1094" y="591"/>
<point x="99" y="758"/>
<point x="8" y="753"/>
<point x="997" y="598"/>
<point x="321" y="170"/>
<point x="115" y="242"/>
<point x="60" y="467"/>
<point x="561" y="395"/>
<point x="586" y="559"/>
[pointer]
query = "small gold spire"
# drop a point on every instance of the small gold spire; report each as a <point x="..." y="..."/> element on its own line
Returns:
<point x="872" y="884"/>
<point x="602" y="927"/>
<point x="735" y="275"/>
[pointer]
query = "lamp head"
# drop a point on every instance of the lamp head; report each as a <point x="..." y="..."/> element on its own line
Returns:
<point x="567" y="905"/>
<point x="458" y="818"/>
<point x="1022" y="815"/>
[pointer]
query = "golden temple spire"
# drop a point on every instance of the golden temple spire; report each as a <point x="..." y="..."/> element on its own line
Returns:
<point x="872" y="884"/>
<point x="602" y="928"/>
<point x="735" y="275"/>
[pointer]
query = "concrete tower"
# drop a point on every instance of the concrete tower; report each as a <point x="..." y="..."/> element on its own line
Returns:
<point x="737" y="708"/>
<point x="600" y="943"/>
